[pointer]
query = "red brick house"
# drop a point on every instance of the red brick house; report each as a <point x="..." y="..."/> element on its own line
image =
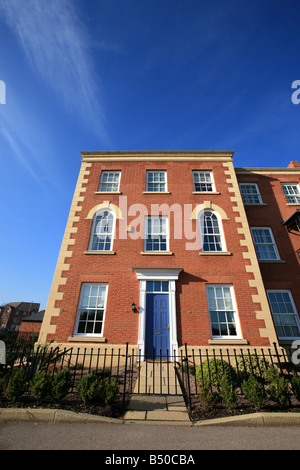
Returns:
<point x="30" y="326"/>
<point x="163" y="249"/>
<point x="13" y="313"/>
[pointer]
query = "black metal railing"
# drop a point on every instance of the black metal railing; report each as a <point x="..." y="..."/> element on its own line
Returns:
<point x="169" y="374"/>
<point x="194" y="366"/>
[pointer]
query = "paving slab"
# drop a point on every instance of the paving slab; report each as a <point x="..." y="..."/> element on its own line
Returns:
<point x="162" y="415"/>
<point x="156" y="377"/>
<point x="135" y="415"/>
<point x="157" y="408"/>
<point x="147" y="403"/>
<point x="175" y="403"/>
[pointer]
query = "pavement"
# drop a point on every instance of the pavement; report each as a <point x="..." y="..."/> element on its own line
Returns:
<point x="156" y="399"/>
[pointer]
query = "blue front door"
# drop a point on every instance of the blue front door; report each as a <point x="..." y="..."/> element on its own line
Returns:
<point x="157" y="326"/>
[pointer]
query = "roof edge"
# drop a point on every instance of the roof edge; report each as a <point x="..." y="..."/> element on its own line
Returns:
<point x="241" y="171"/>
<point x="160" y="155"/>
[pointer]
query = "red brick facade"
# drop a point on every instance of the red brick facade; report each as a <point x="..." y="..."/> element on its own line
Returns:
<point x="236" y="266"/>
<point x="283" y="273"/>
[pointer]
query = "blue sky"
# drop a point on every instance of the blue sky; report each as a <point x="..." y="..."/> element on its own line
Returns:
<point x="86" y="75"/>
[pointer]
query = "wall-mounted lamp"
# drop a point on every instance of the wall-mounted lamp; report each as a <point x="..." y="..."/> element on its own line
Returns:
<point x="133" y="306"/>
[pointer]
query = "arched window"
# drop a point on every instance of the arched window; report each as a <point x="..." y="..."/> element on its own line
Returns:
<point x="211" y="234"/>
<point x="102" y="231"/>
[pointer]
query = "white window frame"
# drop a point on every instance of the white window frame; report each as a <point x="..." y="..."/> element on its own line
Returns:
<point x="95" y="234"/>
<point x="82" y="291"/>
<point x="234" y="310"/>
<point x="281" y="314"/>
<point x="157" y="287"/>
<point x="110" y="172"/>
<point x="153" y="274"/>
<point x="291" y="197"/>
<point x="248" y="196"/>
<point x="166" y="234"/>
<point x="205" y="182"/>
<point x="204" y="235"/>
<point x="273" y="243"/>
<point x="153" y="172"/>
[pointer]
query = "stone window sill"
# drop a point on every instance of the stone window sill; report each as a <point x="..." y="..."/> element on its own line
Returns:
<point x="87" y="339"/>
<point x="227" y="341"/>
<point x="108" y="192"/>
<point x="151" y="253"/>
<point x="255" y="204"/>
<point x="157" y="192"/>
<point x="206" y="192"/>
<point x="99" y="252"/>
<point x="271" y="261"/>
<point x="215" y="253"/>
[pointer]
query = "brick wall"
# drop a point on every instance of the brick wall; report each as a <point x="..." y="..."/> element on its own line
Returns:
<point x="121" y="324"/>
<point x="283" y="274"/>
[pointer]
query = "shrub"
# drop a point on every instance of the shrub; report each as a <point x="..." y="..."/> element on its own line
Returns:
<point x="228" y="392"/>
<point x="88" y="387"/>
<point x="40" y="385"/>
<point x="108" y="390"/>
<point x="296" y="386"/>
<point x="211" y="371"/>
<point x="206" y="396"/>
<point x="191" y="368"/>
<point x="61" y="385"/>
<point x="105" y="372"/>
<point x="254" y="391"/>
<point x="279" y="390"/>
<point x="271" y="374"/>
<point x="16" y="385"/>
<point x="2" y="386"/>
<point x="251" y="365"/>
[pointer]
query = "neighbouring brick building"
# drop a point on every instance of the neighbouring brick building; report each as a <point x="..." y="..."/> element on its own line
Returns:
<point x="12" y="314"/>
<point x="30" y="326"/>
<point x="163" y="249"/>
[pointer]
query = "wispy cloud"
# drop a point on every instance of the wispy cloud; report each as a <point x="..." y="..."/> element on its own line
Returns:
<point x="30" y="144"/>
<point x="58" y="47"/>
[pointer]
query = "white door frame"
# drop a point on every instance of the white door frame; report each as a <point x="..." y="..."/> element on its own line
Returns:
<point x="149" y="274"/>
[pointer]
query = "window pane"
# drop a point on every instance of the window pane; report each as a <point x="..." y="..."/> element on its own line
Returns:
<point x="292" y="193"/>
<point x="102" y="231"/>
<point x="90" y="327"/>
<point x="222" y="314"/>
<point x="110" y="181"/>
<point x="83" y="315"/>
<point x="232" y="329"/>
<point x="149" y="286"/>
<point x="156" y="181"/>
<point x="250" y="193"/>
<point x="203" y="181"/>
<point x="157" y="286"/>
<point x="99" y="315"/>
<point x="165" y="286"/>
<point x="210" y="232"/>
<point x="215" y="329"/>
<point x="98" y="328"/>
<point x="285" y="317"/>
<point x="91" y="317"/>
<point x="214" y="317"/>
<point x="156" y="229"/>
<point x="81" y="327"/>
<point x="264" y="245"/>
